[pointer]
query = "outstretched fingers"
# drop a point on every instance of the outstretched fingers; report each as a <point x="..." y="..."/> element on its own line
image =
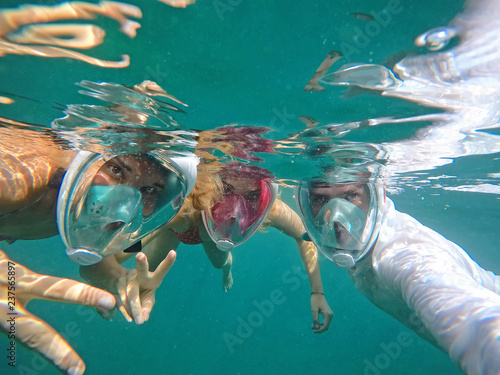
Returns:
<point x="123" y="301"/>
<point x="67" y="290"/>
<point x="134" y="299"/>
<point x="137" y="288"/>
<point x="142" y="266"/>
<point x="39" y="336"/>
<point x="163" y="268"/>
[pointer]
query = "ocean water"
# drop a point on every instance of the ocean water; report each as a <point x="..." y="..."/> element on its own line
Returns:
<point x="247" y="62"/>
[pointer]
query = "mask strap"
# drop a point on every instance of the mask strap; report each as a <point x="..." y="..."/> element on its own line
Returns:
<point x="135" y="248"/>
<point x="56" y="178"/>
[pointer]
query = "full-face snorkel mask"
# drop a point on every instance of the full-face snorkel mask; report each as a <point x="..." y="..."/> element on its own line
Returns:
<point x="96" y="221"/>
<point x="341" y="230"/>
<point x="234" y="220"/>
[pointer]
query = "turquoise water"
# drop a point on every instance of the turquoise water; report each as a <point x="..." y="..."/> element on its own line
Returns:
<point x="248" y="64"/>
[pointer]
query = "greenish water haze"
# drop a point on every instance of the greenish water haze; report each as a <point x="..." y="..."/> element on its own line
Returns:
<point x="248" y="66"/>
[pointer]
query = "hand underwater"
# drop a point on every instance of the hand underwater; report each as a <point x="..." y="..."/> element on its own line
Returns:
<point x="136" y="289"/>
<point x="320" y="306"/>
<point x="19" y="285"/>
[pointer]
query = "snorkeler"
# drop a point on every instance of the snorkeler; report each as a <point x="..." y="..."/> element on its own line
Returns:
<point x="100" y="205"/>
<point x="224" y="210"/>
<point x="409" y="271"/>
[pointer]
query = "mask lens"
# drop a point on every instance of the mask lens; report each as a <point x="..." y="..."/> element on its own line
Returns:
<point x="236" y="218"/>
<point x="341" y="224"/>
<point x="342" y="230"/>
<point x="164" y="202"/>
<point x="110" y="205"/>
<point x="105" y="207"/>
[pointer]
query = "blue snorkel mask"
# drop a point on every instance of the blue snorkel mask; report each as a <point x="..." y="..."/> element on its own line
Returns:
<point x="341" y="229"/>
<point x="99" y="220"/>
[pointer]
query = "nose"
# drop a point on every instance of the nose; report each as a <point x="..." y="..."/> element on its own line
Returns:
<point x="101" y="179"/>
<point x="111" y="227"/>
<point x="339" y="229"/>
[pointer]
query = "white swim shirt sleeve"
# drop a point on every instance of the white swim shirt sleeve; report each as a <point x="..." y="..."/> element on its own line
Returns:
<point x="453" y="296"/>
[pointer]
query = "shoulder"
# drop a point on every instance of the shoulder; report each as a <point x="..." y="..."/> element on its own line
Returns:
<point x="407" y="248"/>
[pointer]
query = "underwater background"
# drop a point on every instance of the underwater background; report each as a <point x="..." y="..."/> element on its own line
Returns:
<point x="247" y="62"/>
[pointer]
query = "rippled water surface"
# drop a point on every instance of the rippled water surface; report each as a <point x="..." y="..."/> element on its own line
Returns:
<point x="406" y="95"/>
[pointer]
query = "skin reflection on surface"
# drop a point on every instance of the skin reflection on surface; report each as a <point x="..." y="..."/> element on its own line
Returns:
<point x="178" y="3"/>
<point x="313" y="84"/>
<point x="63" y="35"/>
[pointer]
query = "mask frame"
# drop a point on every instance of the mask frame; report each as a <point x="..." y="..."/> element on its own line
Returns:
<point x="223" y="238"/>
<point x="89" y="246"/>
<point x="324" y="237"/>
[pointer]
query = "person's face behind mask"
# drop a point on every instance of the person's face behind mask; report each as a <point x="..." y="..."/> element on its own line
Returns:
<point x="240" y="212"/>
<point x="341" y="219"/>
<point x="135" y="171"/>
<point x="248" y="189"/>
<point x="127" y="198"/>
<point x="356" y="194"/>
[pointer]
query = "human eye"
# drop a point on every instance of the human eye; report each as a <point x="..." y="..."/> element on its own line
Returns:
<point x="319" y="199"/>
<point x="116" y="170"/>
<point x="353" y="195"/>
<point x="253" y="196"/>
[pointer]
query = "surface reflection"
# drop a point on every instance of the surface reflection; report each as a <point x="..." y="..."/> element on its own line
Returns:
<point x="40" y="38"/>
<point x="461" y="81"/>
<point x="325" y="183"/>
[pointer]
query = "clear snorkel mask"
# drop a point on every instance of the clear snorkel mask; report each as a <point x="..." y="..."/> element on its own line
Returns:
<point x="234" y="219"/>
<point x="342" y="230"/>
<point x="97" y="220"/>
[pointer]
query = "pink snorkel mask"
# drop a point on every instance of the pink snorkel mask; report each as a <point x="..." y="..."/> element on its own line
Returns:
<point x="235" y="218"/>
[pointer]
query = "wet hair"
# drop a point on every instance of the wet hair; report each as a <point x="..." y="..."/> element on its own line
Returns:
<point x="207" y="190"/>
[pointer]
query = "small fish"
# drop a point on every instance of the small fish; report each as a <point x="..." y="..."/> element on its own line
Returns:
<point x="309" y="121"/>
<point x="363" y="16"/>
<point x="313" y="84"/>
